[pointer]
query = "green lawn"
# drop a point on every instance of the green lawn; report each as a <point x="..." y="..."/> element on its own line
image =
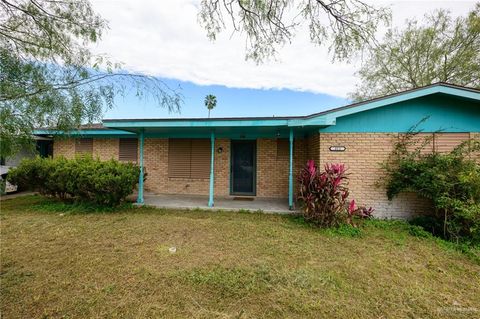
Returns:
<point x="227" y="265"/>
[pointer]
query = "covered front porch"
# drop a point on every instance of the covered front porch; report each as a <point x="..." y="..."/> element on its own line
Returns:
<point x="235" y="137"/>
<point x="229" y="203"/>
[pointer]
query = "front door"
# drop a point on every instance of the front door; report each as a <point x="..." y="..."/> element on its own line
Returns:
<point x="243" y="168"/>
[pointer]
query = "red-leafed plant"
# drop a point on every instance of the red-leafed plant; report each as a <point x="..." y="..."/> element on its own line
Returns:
<point x="360" y="212"/>
<point x="325" y="196"/>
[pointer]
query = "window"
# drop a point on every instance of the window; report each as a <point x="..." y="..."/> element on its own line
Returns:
<point x="84" y="146"/>
<point x="127" y="149"/>
<point x="446" y="142"/>
<point x="200" y="159"/>
<point x="189" y="158"/>
<point x="283" y="147"/>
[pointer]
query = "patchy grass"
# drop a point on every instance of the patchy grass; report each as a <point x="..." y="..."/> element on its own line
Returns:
<point x="58" y="262"/>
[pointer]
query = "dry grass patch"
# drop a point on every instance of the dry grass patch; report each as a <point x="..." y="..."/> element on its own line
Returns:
<point x="227" y="265"/>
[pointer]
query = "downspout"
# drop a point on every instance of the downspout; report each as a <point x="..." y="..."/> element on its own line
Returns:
<point x="140" y="177"/>
<point x="212" y="157"/>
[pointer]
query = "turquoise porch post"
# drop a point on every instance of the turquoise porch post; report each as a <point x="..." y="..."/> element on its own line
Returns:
<point x="290" y="173"/>
<point x="140" y="177"/>
<point x="212" y="142"/>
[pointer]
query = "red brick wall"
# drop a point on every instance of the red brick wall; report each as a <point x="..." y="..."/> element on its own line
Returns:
<point x="106" y="148"/>
<point x="64" y="147"/>
<point x="272" y="171"/>
<point x="363" y="156"/>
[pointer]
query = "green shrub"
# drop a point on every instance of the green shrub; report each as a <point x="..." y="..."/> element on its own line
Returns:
<point x="431" y="224"/>
<point x="81" y="179"/>
<point x="450" y="180"/>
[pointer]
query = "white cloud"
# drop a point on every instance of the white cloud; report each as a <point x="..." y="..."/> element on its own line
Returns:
<point x="163" y="38"/>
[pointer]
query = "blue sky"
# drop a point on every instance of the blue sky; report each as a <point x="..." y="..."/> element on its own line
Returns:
<point x="230" y="102"/>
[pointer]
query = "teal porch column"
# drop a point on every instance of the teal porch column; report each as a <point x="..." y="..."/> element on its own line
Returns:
<point x="212" y="173"/>
<point x="290" y="173"/>
<point x="140" y="177"/>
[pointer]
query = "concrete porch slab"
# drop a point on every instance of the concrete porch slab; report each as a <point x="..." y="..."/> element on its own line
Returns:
<point x="267" y="205"/>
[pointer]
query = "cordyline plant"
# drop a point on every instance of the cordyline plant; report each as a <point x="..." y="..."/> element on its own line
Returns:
<point x="325" y="196"/>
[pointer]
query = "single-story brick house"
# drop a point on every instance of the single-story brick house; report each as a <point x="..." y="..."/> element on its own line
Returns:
<point x="261" y="156"/>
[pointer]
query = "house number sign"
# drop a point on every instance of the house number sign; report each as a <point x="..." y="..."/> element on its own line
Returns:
<point x="337" y="148"/>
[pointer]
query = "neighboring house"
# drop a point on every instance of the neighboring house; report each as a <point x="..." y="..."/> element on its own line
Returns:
<point x="261" y="156"/>
<point x="44" y="148"/>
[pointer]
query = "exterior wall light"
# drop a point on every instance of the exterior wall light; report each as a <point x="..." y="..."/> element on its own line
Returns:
<point x="220" y="150"/>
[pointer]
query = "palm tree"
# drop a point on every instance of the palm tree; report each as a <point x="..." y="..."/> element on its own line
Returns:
<point x="210" y="102"/>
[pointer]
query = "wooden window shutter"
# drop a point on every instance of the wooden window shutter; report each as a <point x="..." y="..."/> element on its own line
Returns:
<point x="179" y="154"/>
<point x="446" y="142"/>
<point x="84" y="146"/>
<point x="283" y="147"/>
<point x="200" y="158"/>
<point x="127" y="149"/>
<point x="189" y="158"/>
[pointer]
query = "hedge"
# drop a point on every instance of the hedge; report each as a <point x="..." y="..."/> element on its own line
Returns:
<point x="81" y="179"/>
